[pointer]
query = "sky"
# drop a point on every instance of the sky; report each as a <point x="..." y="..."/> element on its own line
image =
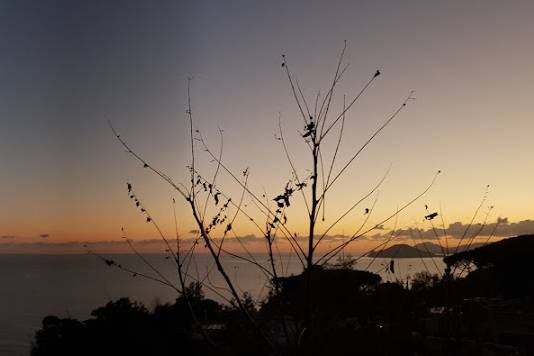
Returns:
<point x="68" y="67"/>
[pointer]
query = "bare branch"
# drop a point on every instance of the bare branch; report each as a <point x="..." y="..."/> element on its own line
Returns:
<point x="329" y="255"/>
<point x="328" y="97"/>
<point x="484" y="197"/>
<point x="393" y="116"/>
<point x="214" y="178"/>
<point x="134" y="273"/>
<point x="150" y="219"/>
<point x="146" y="164"/>
<point x="293" y="169"/>
<point x="382" y="246"/>
<point x="295" y="96"/>
<point x="375" y="188"/>
<point x="323" y="134"/>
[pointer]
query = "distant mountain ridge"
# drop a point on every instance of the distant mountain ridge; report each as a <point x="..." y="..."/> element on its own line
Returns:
<point x="423" y="249"/>
<point x="402" y="251"/>
<point x="446" y="249"/>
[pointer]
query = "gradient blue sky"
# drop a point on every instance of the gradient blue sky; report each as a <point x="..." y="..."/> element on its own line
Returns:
<point x="67" y="67"/>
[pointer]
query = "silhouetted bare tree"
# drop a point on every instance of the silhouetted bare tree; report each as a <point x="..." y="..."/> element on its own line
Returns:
<point x="215" y="211"/>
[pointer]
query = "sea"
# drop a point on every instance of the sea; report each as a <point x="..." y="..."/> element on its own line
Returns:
<point x="34" y="286"/>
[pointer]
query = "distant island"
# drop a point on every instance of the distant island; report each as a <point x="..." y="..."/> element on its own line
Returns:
<point x="403" y="251"/>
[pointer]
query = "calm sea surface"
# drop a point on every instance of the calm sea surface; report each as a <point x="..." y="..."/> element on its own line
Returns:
<point x="33" y="286"/>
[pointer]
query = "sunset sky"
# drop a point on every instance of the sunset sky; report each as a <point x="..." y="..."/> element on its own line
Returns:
<point x="66" y="68"/>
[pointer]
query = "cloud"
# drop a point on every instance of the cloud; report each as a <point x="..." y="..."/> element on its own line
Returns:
<point x="8" y="237"/>
<point x="244" y="239"/>
<point x="500" y="228"/>
<point x="502" y="220"/>
<point x="44" y="236"/>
